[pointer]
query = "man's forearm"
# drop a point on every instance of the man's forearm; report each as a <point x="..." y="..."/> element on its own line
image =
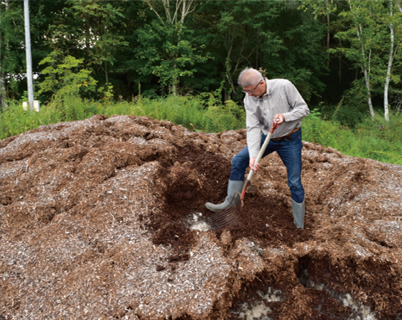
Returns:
<point x="299" y="108"/>
<point x="298" y="112"/>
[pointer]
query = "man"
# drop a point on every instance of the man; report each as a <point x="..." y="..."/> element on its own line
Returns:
<point x="266" y="101"/>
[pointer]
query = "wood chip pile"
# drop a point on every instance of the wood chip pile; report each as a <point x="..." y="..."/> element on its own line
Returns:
<point x="96" y="223"/>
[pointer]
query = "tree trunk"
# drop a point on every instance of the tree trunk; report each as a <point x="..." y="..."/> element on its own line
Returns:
<point x="328" y="39"/>
<point x="106" y="73"/>
<point x="391" y="53"/>
<point x="174" y="86"/>
<point x="225" y="96"/>
<point x="87" y="35"/>
<point x="340" y="67"/>
<point x="365" y="65"/>
<point x="366" y="71"/>
<point x="367" y="79"/>
<point x="399" y="5"/>
<point x="256" y="59"/>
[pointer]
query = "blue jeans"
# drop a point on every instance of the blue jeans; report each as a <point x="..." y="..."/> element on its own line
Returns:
<point x="289" y="150"/>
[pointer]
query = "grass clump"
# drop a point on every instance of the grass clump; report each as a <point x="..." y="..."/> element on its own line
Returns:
<point x="194" y="113"/>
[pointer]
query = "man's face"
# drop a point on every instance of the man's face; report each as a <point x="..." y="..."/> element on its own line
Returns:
<point x="257" y="90"/>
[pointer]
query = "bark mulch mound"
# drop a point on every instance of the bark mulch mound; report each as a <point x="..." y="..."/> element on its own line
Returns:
<point x="96" y="222"/>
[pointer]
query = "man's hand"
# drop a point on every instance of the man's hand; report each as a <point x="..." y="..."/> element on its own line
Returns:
<point x="252" y="166"/>
<point x="279" y="118"/>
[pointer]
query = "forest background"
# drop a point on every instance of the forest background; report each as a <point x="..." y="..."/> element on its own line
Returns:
<point x="179" y="61"/>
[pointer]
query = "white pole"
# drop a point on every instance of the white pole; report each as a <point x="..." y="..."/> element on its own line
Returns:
<point x="28" y="55"/>
<point x="2" y="87"/>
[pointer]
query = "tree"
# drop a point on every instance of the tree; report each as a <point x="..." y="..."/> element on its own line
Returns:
<point x="319" y="8"/>
<point x="391" y="57"/>
<point x="240" y="32"/>
<point x="77" y="30"/>
<point x="101" y="39"/>
<point x="302" y="57"/>
<point x="371" y="36"/>
<point x="393" y="19"/>
<point x="63" y="72"/>
<point x="185" y="46"/>
<point x="167" y="43"/>
<point x="13" y="56"/>
<point x="10" y="60"/>
<point x="363" y="37"/>
<point x="272" y="35"/>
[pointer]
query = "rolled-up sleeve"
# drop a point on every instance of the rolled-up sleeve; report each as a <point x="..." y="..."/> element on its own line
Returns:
<point x="299" y="108"/>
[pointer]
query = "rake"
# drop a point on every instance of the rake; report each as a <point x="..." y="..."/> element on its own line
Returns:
<point x="232" y="212"/>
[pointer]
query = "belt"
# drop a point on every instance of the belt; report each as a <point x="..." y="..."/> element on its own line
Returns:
<point x="287" y="136"/>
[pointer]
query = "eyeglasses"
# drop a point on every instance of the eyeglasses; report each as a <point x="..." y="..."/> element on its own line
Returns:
<point x="251" y="91"/>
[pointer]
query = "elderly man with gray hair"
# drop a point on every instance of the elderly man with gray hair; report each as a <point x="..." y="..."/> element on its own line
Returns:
<point x="267" y="101"/>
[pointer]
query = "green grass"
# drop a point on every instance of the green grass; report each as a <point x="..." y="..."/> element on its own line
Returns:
<point x="199" y="113"/>
<point x="375" y="139"/>
<point x="191" y="112"/>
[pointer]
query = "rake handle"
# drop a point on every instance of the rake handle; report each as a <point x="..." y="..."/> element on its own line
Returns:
<point x="259" y="156"/>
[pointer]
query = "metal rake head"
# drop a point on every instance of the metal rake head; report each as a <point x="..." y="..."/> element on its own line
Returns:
<point x="227" y="216"/>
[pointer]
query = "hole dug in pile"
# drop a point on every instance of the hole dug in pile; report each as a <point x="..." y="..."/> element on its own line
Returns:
<point x="316" y="296"/>
<point x="194" y="177"/>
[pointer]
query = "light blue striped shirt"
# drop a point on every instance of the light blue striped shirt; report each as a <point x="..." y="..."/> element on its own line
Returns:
<point x="281" y="97"/>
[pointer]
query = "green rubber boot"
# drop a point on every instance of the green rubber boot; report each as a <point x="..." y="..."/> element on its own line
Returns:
<point x="298" y="214"/>
<point x="233" y="187"/>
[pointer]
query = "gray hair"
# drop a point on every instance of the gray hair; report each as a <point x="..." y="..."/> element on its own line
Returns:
<point x="249" y="76"/>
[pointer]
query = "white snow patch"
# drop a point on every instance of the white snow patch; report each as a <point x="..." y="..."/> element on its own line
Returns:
<point x="195" y="223"/>
<point x="271" y="296"/>
<point x="259" y="310"/>
<point x="201" y="226"/>
<point x="364" y="311"/>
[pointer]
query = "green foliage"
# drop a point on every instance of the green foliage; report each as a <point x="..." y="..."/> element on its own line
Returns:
<point x="91" y="31"/>
<point x="194" y="113"/>
<point x="318" y="131"/>
<point x="366" y="42"/>
<point x="226" y="116"/>
<point x="319" y="7"/>
<point x="98" y="36"/>
<point x="350" y="114"/>
<point x="380" y="140"/>
<point x="167" y="52"/>
<point x="12" y="41"/>
<point x="375" y="139"/>
<point x="272" y="35"/>
<point x="15" y="120"/>
<point x="183" y="47"/>
<point x="65" y="74"/>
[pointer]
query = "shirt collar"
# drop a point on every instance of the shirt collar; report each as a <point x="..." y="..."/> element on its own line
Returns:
<point x="268" y="92"/>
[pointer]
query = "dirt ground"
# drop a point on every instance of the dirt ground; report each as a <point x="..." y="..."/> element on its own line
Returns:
<point x="97" y="222"/>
